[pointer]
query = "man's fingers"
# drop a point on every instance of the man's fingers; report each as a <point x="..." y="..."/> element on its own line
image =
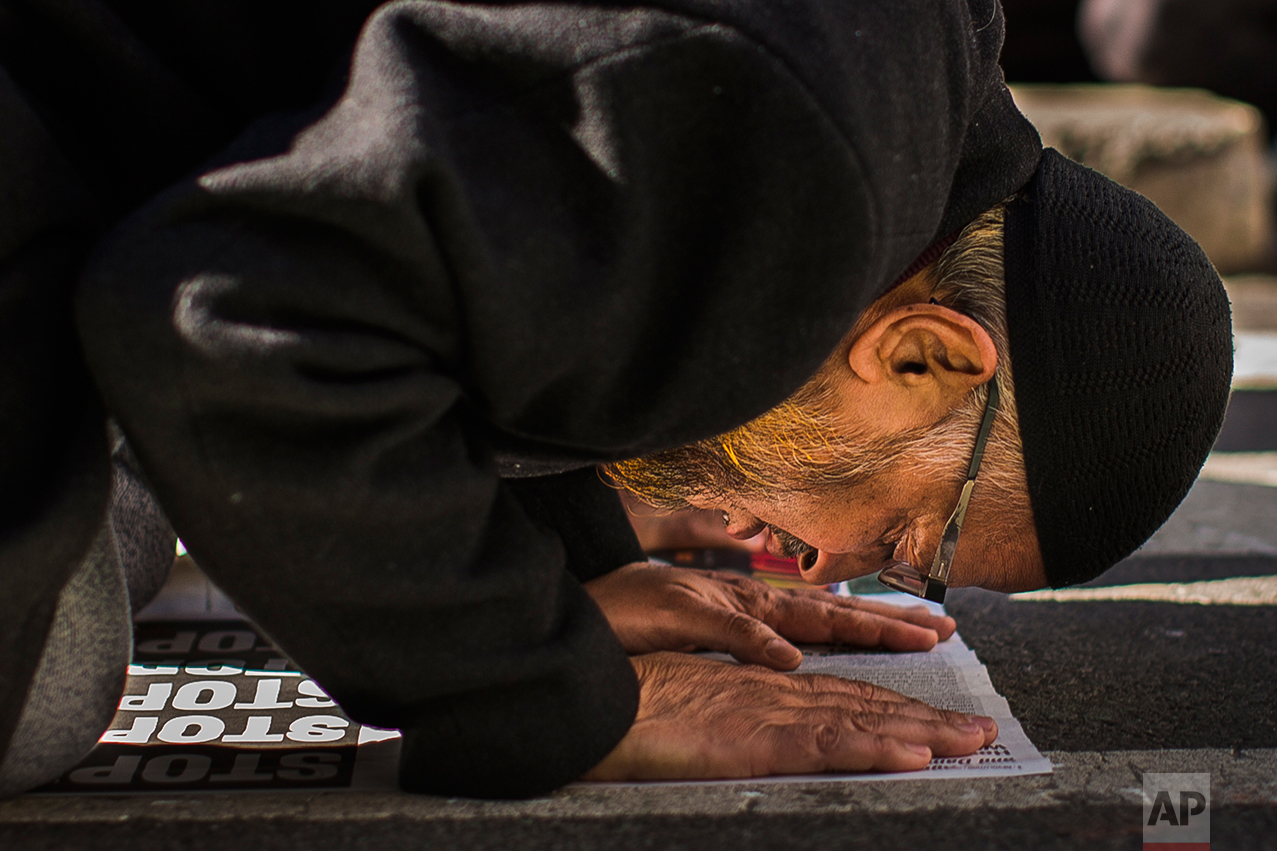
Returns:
<point x="836" y="692"/>
<point x="950" y="736"/>
<point x="865" y="629"/>
<point x="706" y="719"/>
<point x="825" y="619"/>
<point x="822" y="739"/>
<point x="857" y="699"/>
<point x="918" y="615"/>
<point x="746" y="638"/>
<point x="816" y="616"/>
<point x="802" y="749"/>
<point x="653" y="608"/>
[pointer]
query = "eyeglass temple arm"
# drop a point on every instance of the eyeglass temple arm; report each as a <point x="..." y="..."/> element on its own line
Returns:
<point x="949" y="540"/>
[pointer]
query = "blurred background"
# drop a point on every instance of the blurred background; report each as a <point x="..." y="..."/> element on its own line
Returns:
<point x="1174" y="98"/>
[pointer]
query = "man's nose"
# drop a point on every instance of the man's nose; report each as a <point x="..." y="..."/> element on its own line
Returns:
<point x="827" y="568"/>
<point x="742" y="525"/>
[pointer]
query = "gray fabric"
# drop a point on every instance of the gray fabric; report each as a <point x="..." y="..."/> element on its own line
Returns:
<point x="53" y="460"/>
<point x="143" y="537"/>
<point x="82" y="668"/>
<point x="81" y="673"/>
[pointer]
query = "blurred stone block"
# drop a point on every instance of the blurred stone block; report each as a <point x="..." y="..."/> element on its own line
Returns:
<point x="1201" y="158"/>
<point x="1254" y="301"/>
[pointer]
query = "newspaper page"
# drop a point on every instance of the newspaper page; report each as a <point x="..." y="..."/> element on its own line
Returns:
<point x="211" y="704"/>
<point x="950" y="677"/>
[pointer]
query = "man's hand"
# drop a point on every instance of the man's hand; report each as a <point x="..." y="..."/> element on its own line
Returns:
<point x="653" y="607"/>
<point x="703" y="719"/>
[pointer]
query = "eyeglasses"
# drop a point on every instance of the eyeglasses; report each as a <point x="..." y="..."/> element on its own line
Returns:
<point x="932" y="586"/>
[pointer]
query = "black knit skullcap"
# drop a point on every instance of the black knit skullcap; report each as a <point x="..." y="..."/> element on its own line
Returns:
<point x="1121" y="346"/>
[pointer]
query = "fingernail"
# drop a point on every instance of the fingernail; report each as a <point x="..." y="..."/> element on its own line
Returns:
<point x="922" y="750"/>
<point x="781" y="651"/>
<point x="986" y="723"/>
<point x="969" y="726"/>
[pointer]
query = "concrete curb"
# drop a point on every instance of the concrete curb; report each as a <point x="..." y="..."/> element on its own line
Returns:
<point x="1092" y="801"/>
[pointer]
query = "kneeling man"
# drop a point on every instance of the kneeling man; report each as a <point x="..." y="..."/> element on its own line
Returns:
<point x="805" y="262"/>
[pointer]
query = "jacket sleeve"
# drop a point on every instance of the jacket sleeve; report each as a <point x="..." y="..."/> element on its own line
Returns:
<point x="53" y="454"/>
<point x="593" y="230"/>
<point x="587" y="516"/>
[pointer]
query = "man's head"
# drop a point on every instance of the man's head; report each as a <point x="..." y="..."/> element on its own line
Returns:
<point x="863" y="464"/>
<point x="1119" y="331"/>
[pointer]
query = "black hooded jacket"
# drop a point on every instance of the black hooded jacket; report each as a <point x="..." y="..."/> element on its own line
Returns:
<point x="496" y="241"/>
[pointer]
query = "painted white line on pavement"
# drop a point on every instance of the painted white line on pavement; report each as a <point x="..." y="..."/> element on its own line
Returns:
<point x="1255" y="359"/>
<point x="1236" y="591"/>
<point x="1242" y="468"/>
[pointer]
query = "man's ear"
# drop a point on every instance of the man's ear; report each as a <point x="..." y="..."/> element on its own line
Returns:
<point x="925" y="348"/>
